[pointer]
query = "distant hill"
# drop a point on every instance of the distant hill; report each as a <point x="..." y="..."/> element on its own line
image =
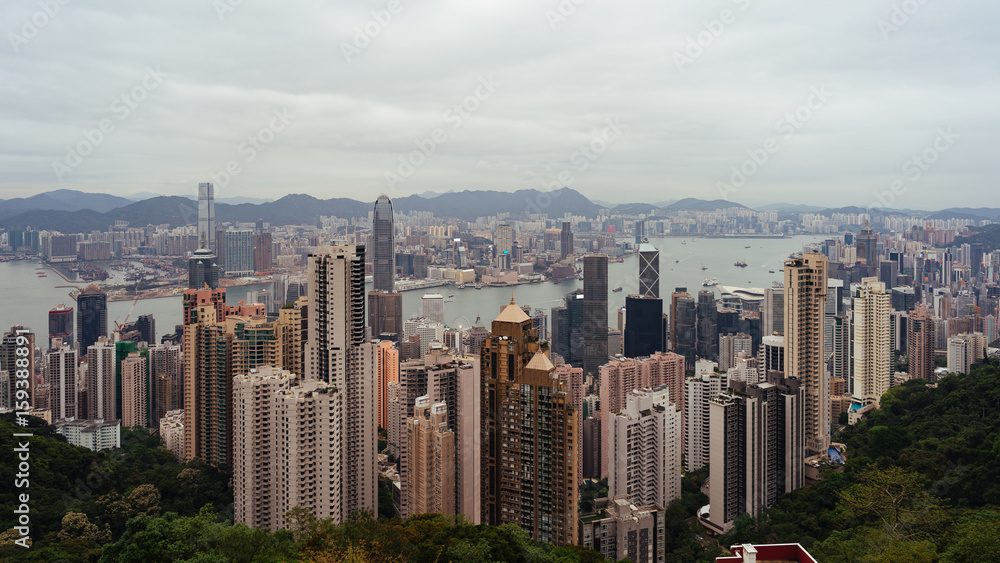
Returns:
<point x="638" y="209"/>
<point x="979" y="213"/>
<point x="989" y="236"/>
<point x="62" y="200"/>
<point x="297" y="209"/>
<point x="694" y="204"/>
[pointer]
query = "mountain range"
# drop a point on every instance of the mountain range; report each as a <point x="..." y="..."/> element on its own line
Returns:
<point x="75" y="211"/>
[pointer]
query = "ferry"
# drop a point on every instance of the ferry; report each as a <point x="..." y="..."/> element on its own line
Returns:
<point x="710" y="282"/>
<point x="616" y="290"/>
<point x="741" y="264"/>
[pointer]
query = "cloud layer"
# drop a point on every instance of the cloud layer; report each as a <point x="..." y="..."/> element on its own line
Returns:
<point x="391" y="96"/>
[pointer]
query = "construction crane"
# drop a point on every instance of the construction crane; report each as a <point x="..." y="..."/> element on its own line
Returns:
<point x="130" y="311"/>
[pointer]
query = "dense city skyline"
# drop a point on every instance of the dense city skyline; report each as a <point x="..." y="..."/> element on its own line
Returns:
<point x="670" y="97"/>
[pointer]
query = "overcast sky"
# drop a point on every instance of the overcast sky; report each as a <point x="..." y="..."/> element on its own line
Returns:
<point x="669" y="96"/>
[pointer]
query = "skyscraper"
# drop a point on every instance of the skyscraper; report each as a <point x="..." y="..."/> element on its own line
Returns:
<point x="708" y="326"/>
<point x="643" y="334"/>
<point x="565" y="241"/>
<point x="432" y="307"/>
<point x="100" y="380"/>
<point x="644" y="448"/>
<point x="567" y="329"/>
<point x="17" y="338"/>
<point x="61" y="324"/>
<point x="62" y="377"/>
<point x="805" y="357"/>
<point x="595" y="313"/>
<point x="756" y="448"/>
<point x="283" y="460"/>
<point x="207" y="387"/>
<point x="530" y="439"/>
<point x="867" y="250"/>
<point x="203" y="269"/>
<point x="683" y="318"/>
<point x="239" y="252"/>
<point x="388" y="372"/>
<point x="920" y="344"/>
<point x="431" y="448"/>
<point x="146" y="325"/>
<point x="773" y="313"/>
<point x="383" y="246"/>
<point x="649" y="270"/>
<point x="91" y="315"/>
<point x="385" y="315"/>
<point x="135" y="391"/>
<point x="206" y="216"/>
<point x="871" y="346"/>
<point x="338" y="354"/>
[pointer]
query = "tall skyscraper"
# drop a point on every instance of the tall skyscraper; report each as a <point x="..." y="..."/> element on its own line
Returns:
<point x="644" y="449"/>
<point x="649" y="270"/>
<point x="388" y="372"/>
<point x="529" y="435"/>
<point x="920" y="344"/>
<point x="61" y="324"/>
<point x="644" y="332"/>
<point x="135" y="391"/>
<point x="338" y="354"/>
<point x="756" y="448"/>
<point x="567" y="329"/>
<point x="595" y="313"/>
<point x="100" y="380"/>
<point x="503" y="240"/>
<point x="283" y="460"/>
<point x="565" y="241"/>
<point x="773" y="312"/>
<point x="805" y="300"/>
<point x="146" y="325"/>
<point x="455" y="382"/>
<point x="708" y="326"/>
<point x="62" y="378"/>
<point x="203" y="269"/>
<point x="432" y="307"/>
<point x="207" y="387"/>
<point x="872" y="345"/>
<point x="91" y="315"/>
<point x="385" y="315"/>
<point x="206" y="217"/>
<point x="239" y="252"/>
<point x="683" y="319"/>
<point x="698" y="392"/>
<point x="383" y="246"/>
<point x="430" y="482"/>
<point x="730" y="345"/>
<point x="18" y="338"/>
<point x="867" y="250"/>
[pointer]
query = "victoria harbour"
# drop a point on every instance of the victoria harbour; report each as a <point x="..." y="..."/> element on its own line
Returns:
<point x="681" y="261"/>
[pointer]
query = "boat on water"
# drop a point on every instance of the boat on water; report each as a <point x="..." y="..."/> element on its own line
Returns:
<point x="710" y="282"/>
<point x="741" y="264"/>
<point x="703" y="267"/>
<point x="770" y="271"/>
<point x="616" y="290"/>
<point x="746" y="247"/>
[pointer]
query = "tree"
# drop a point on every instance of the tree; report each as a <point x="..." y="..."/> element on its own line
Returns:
<point x="893" y="498"/>
<point x="77" y="525"/>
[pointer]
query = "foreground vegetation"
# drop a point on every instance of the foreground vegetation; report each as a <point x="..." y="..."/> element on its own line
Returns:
<point x="922" y="481"/>
<point x="922" y="484"/>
